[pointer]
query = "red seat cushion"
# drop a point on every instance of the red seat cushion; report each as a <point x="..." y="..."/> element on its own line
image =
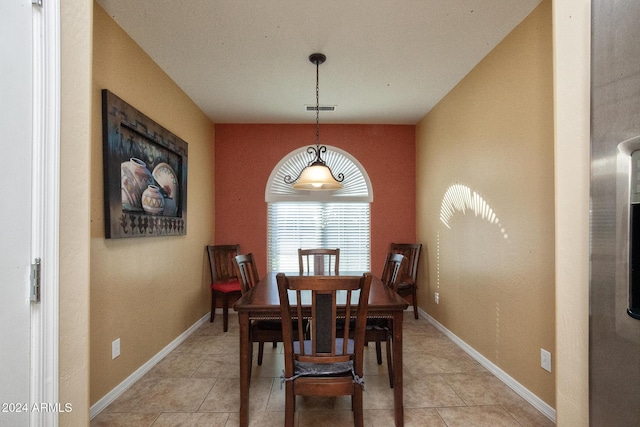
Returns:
<point x="232" y="285"/>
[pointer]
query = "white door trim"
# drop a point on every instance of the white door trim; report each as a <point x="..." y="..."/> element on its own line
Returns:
<point x="45" y="212"/>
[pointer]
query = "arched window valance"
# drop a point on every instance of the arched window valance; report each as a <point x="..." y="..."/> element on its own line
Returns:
<point x="357" y="186"/>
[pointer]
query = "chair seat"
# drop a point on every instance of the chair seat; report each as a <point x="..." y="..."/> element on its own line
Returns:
<point x="302" y="369"/>
<point x="405" y="287"/>
<point x="267" y="325"/>
<point x="226" y="287"/>
<point x="406" y="283"/>
<point x="380" y="324"/>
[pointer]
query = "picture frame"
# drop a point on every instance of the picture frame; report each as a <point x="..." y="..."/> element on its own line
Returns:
<point x="145" y="174"/>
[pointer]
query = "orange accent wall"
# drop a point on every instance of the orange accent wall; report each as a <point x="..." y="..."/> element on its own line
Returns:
<point x="245" y="155"/>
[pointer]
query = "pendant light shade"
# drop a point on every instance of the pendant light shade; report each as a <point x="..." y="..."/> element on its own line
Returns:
<point x="316" y="175"/>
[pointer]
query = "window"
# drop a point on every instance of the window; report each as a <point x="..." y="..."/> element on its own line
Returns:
<point x="319" y="219"/>
<point x="293" y="225"/>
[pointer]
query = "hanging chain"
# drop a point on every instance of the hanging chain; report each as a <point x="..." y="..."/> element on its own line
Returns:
<point x="317" y="104"/>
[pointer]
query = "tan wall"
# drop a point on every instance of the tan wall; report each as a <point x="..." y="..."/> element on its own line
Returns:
<point x="75" y="133"/>
<point x="145" y="291"/>
<point x="493" y="134"/>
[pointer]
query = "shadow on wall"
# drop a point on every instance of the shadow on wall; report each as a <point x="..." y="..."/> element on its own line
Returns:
<point x="474" y="241"/>
<point x="460" y="198"/>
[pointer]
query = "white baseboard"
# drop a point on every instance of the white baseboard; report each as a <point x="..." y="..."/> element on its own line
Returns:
<point x="523" y="392"/>
<point x="101" y="404"/>
<point x="219" y="310"/>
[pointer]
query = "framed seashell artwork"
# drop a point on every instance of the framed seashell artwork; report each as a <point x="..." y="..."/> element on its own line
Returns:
<point x="145" y="174"/>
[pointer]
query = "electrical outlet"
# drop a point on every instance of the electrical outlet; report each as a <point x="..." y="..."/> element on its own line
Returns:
<point x="545" y="359"/>
<point x="437" y="297"/>
<point x="115" y="348"/>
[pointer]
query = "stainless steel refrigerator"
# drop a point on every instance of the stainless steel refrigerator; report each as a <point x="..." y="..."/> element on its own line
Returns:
<point x="614" y="329"/>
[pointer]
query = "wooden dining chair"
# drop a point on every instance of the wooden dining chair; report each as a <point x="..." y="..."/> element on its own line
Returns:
<point x="392" y="270"/>
<point x="407" y="284"/>
<point x="319" y="261"/>
<point x="381" y="330"/>
<point x="247" y="271"/>
<point x="224" y="278"/>
<point x="329" y="362"/>
<point x="261" y="331"/>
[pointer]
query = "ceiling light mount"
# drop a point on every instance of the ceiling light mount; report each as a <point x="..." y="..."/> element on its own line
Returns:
<point x="317" y="58"/>
<point x="316" y="175"/>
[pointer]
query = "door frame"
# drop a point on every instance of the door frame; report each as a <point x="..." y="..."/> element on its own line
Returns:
<point x="45" y="210"/>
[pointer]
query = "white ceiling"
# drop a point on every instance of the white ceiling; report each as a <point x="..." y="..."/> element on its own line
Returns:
<point x="388" y="62"/>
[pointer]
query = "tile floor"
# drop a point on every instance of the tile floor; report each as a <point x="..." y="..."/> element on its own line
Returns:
<point x="197" y="385"/>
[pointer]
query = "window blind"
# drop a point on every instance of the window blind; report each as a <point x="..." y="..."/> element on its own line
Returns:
<point x="308" y="225"/>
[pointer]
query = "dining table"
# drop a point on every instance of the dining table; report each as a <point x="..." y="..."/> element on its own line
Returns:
<point x="262" y="302"/>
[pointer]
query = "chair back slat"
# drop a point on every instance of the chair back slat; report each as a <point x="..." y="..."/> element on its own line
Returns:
<point x="319" y="261"/>
<point x="324" y="313"/>
<point x="345" y="330"/>
<point x="300" y="319"/>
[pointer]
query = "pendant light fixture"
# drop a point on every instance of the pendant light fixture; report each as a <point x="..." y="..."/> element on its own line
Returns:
<point x="316" y="175"/>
